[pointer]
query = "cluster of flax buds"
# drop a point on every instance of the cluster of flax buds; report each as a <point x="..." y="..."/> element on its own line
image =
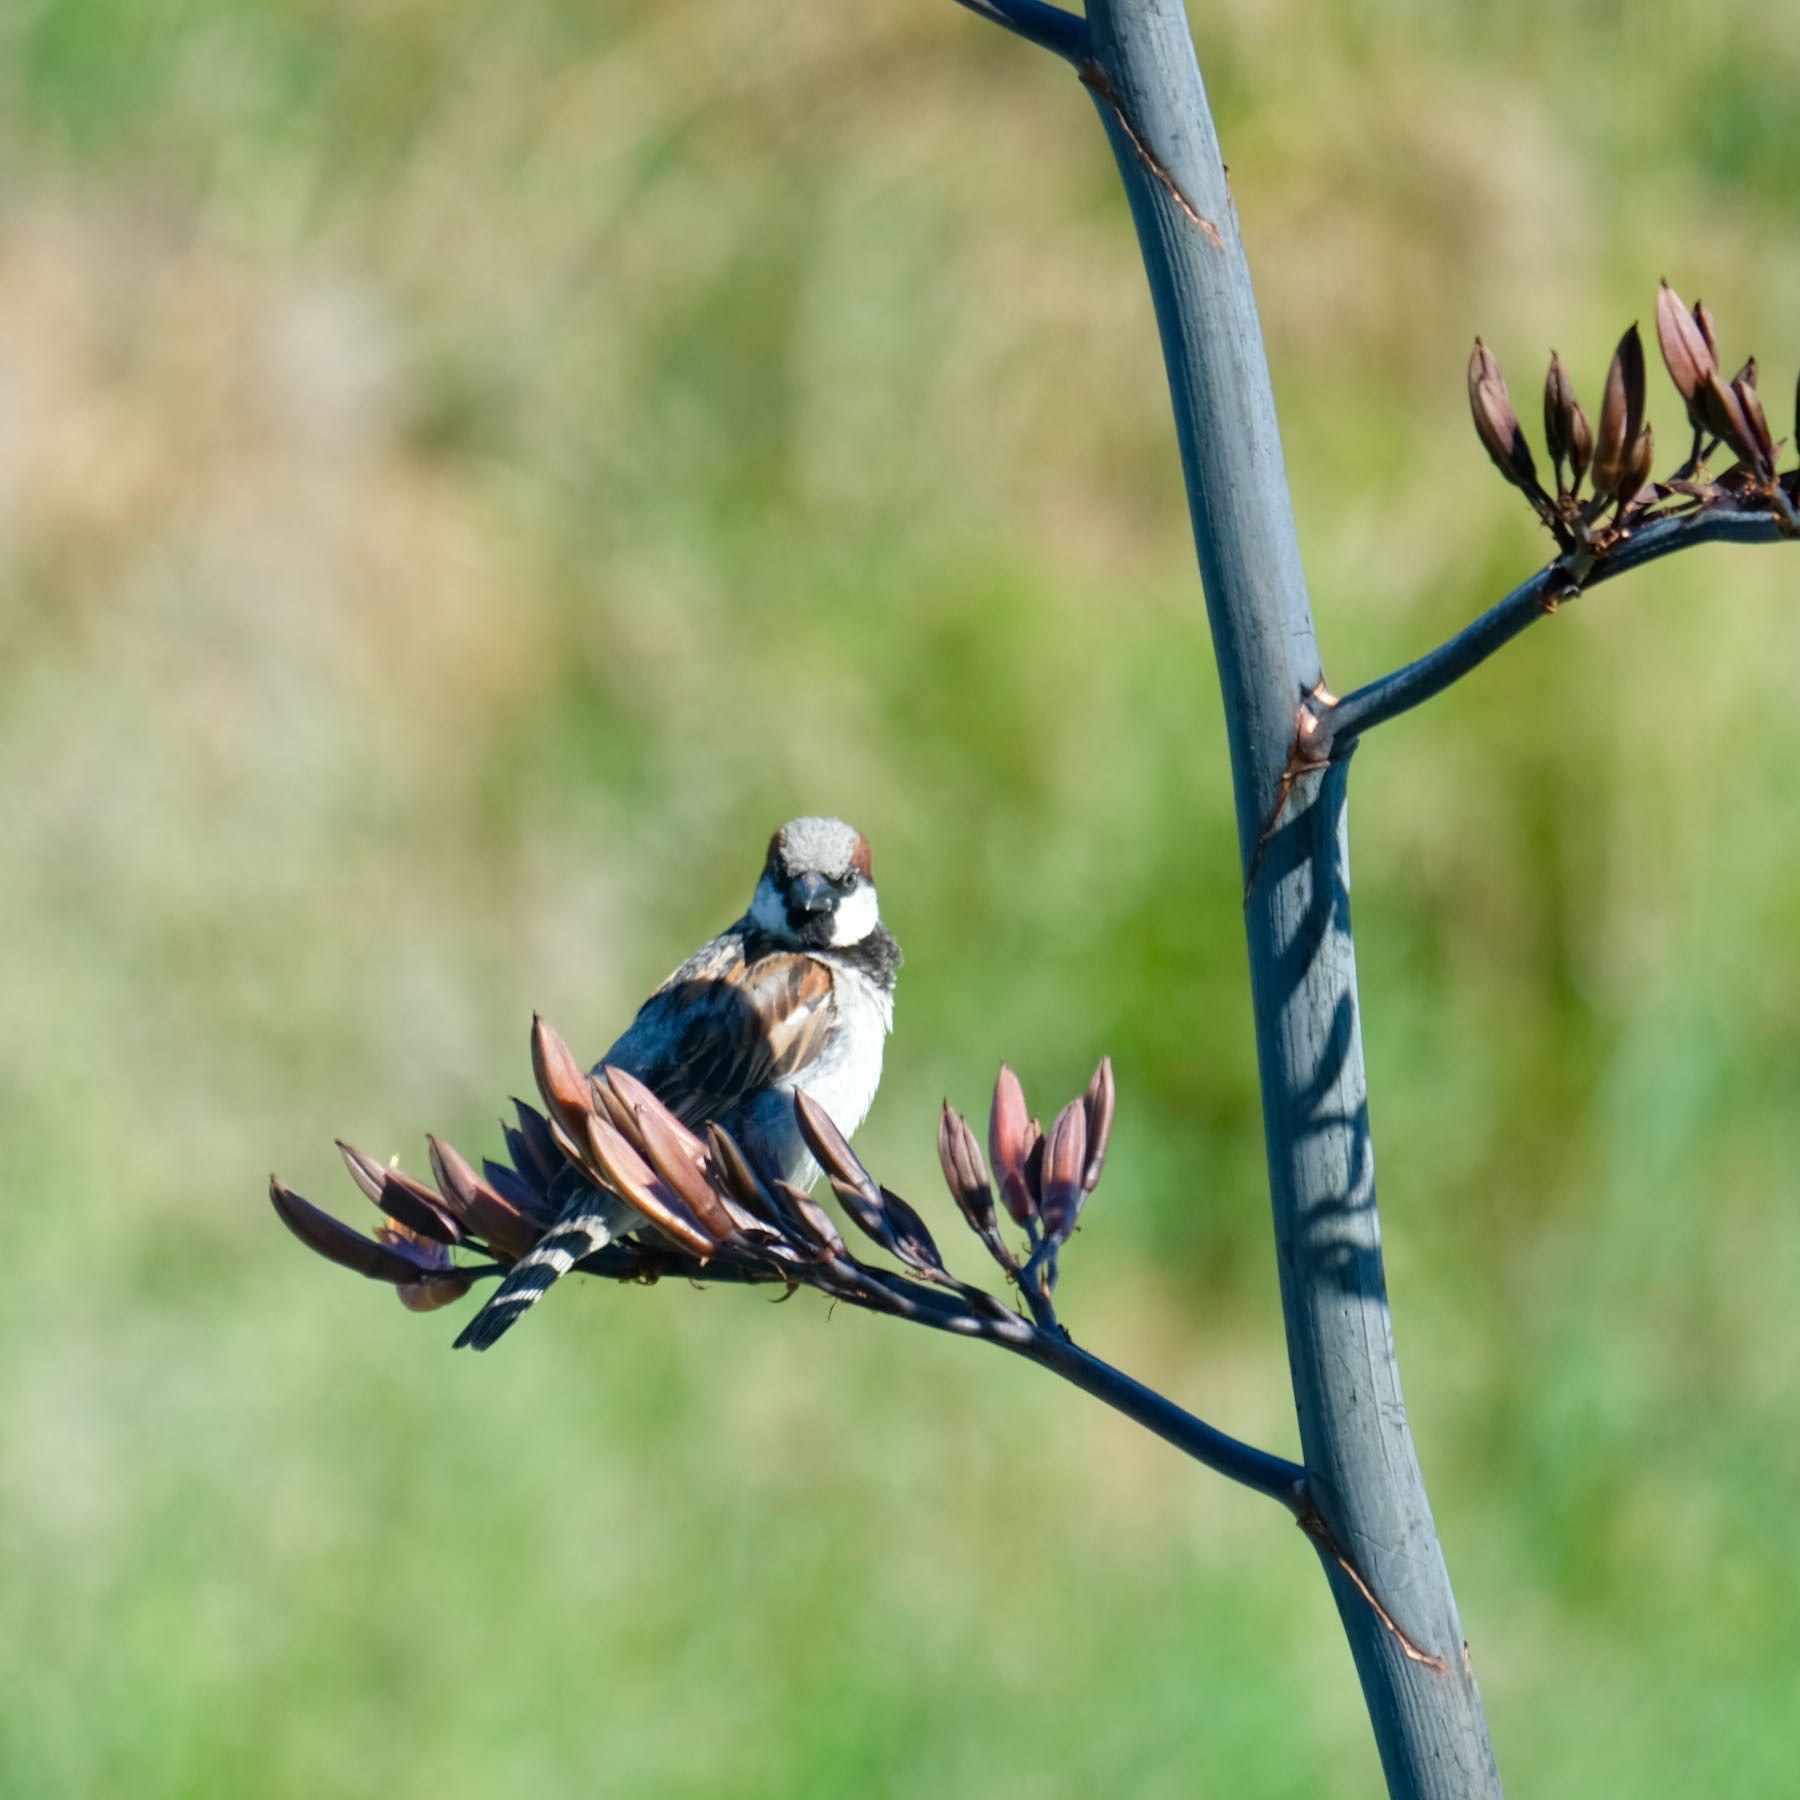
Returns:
<point x="709" y="1215"/>
<point x="1616" y="458"/>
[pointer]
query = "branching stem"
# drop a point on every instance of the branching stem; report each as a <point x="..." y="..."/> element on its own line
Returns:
<point x="1259" y="1470"/>
<point x="1378" y="701"/>
<point x="1049" y="27"/>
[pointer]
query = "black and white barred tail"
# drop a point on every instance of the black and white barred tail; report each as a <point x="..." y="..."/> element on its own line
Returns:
<point x="587" y="1226"/>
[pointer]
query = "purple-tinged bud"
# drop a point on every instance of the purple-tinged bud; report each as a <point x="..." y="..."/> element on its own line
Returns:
<point x="1065" y="1170"/>
<point x="1100" y="1101"/>
<point x="476" y="1203"/>
<point x="814" y="1219"/>
<point x="908" y="1237"/>
<point x="1496" y="424"/>
<point x="606" y="1101"/>
<point x="832" y="1148"/>
<point x="365" y="1171"/>
<point x="402" y="1198"/>
<point x="965" y="1174"/>
<point x="669" y="1147"/>
<point x="336" y="1242"/>
<point x="1643" y="460"/>
<point x="533" y="1138"/>
<point x="1726" y="419"/>
<point x="561" y="1079"/>
<point x="858" y="1192"/>
<point x="1621" y="416"/>
<point x="637" y="1098"/>
<point x="628" y="1175"/>
<point x="1566" y="430"/>
<point x="1685" y="350"/>
<point x="1758" y="421"/>
<point x="1009" y="1146"/>
<point x="1708" y="330"/>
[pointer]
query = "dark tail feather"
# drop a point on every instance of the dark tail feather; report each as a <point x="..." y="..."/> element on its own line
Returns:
<point x="548" y="1260"/>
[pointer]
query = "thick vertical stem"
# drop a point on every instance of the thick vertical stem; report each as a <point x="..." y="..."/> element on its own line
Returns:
<point x="1357" y="1447"/>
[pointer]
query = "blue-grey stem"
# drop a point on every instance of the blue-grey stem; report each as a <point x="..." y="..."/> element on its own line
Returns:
<point x="1228" y="1456"/>
<point x="1049" y="26"/>
<point x="1362" y="1472"/>
<point x="1050" y="1347"/>
<point x="1378" y="701"/>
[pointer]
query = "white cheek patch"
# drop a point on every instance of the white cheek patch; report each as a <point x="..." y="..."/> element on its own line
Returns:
<point x="768" y="911"/>
<point x="858" y="913"/>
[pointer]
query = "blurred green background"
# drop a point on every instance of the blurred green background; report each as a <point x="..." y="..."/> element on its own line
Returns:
<point x="467" y="472"/>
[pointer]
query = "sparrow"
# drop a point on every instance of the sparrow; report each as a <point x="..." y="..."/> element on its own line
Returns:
<point x="797" y="994"/>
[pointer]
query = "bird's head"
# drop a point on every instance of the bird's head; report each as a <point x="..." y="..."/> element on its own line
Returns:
<point x="816" y="891"/>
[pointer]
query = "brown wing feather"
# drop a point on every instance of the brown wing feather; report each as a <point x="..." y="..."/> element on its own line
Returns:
<point x="750" y="1024"/>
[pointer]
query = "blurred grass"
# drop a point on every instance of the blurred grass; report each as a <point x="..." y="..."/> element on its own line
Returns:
<point x="465" y="474"/>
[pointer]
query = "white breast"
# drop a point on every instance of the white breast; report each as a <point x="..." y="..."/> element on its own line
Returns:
<point x="842" y="1079"/>
<point x="844" y="1076"/>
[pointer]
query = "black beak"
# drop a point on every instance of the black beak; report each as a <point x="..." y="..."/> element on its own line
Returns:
<point x="811" y="893"/>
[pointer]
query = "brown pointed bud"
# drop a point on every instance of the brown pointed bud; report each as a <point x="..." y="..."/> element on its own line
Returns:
<point x="1496" y="424"/>
<point x="908" y="1237"/>
<point x="857" y="1190"/>
<point x="731" y="1168"/>
<point x="635" y="1182"/>
<point x="667" y="1144"/>
<point x="531" y="1203"/>
<point x="754" y="1210"/>
<point x="636" y="1096"/>
<point x="518" y="1149"/>
<point x="1685" y="350"/>
<point x="1581" y="445"/>
<point x="573" y="1149"/>
<point x="1099" y="1101"/>
<point x="416" y="1207"/>
<point x="609" y="1103"/>
<point x="1708" y="330"/>
<point x="1065" y="1169"/>
<point x="1725" y="419"/>
<point x="1559" y="407"/>
<point x="468" y="1195"/>
<point x="864" y="1210"/>
<point x="1643" y="460"/>
<point x="534" y="1142"/>
<point x="1746" y="376"/>
<point x="336" y="1242"/>
<point x="830" y="1147"/>
<point x="400" y="1196"/>
<point x="965" y="1174"/>
<point x="1034" y="1162"/>
<point x="1008" y="1148"/>
<point x="561" y="1079"/>
<point x="365" y="1171"/>
<point x="815" y="1220"/>
<point x="504" y="1213"/>
<point x="1483" y="366"/>
<point x="1621" y="414"/>
<point x="1758" y="421"/>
